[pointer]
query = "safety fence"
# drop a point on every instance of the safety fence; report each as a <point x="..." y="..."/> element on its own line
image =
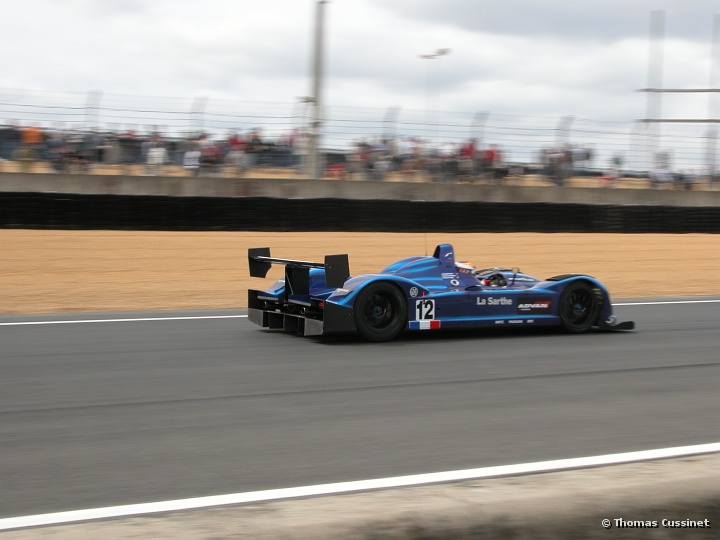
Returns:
<point x="608" y="144"/>
<point x="116" y="212"/>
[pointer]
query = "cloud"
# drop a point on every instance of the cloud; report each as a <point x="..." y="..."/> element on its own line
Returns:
<point x="604" y="21"/>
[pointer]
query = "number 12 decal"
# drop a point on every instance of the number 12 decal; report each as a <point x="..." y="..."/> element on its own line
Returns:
<point x="425" y="310"/>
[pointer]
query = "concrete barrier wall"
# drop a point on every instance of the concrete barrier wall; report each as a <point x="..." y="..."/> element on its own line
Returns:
<point x="292" y="188"/>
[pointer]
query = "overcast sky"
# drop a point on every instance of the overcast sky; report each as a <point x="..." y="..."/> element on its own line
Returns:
<point x="541" y="58"/>
<point x="518" y="62"/>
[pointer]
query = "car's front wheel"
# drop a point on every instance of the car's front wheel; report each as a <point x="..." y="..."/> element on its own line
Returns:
<point x="380" y="311"/>
<point x="579" y="308"/>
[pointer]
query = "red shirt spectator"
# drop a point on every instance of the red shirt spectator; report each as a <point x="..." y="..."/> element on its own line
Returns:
<point x="488" y="157"/>
<point x="467" y="151"/>
<point x="236" y="142"/>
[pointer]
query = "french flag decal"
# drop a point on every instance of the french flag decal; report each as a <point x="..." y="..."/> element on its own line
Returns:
<point x="424" y="325"/>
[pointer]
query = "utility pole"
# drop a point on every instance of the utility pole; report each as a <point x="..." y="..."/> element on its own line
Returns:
<point x="92" y="110"/>
<point x="314" y="158"/>
<point x="655" y="90"/>
<point x="655" y="78"/>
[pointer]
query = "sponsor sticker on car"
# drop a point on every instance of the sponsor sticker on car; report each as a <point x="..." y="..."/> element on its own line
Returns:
<point x="493" y="301"/>
<point x="535" y="305"/>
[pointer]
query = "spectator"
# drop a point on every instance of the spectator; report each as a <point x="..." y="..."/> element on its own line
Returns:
<point x="380" y="167"/>
<point x="130" y="149"/>
<point x="210" y="157"/>
<point x="235" y="161"/>
<point x="157" y="157"/>
<point x="661" y="177"/>
<point x="9" y="140"/>
<point x="468" y="157"/>
<point x="32" y="136"/>
<point x="364" y="160"/>
<point x="491" y="163"/>
<point x="27" y="156"/>
<point x="112" y="153"/>
<point x="191" y="160"/>
<point x="235" y="156"/>
<point x="487" y="159"/>
<point x="300" y="151"/>
<point x="612" y="173"/>
<point x="404" y="157"/>
<point x="559" y="164"/>
<point x="253" y="147"/>
<point x="145" y="147"/>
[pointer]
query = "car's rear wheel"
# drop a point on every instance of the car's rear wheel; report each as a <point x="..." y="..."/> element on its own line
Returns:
<point x="579" y="308"/>
<point x="380" y="311"/>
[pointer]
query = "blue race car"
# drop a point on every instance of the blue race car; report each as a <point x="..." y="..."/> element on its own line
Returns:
<point x="421" y="293"/>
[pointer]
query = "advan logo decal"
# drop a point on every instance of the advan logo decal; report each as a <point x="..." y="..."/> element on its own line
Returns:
<point x="535" y="305"/>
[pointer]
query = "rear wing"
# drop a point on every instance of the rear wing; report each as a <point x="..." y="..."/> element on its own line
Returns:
<point x="297" y="273"/>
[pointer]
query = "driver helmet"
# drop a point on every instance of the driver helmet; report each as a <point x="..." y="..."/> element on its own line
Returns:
<point x="464" y="267"/>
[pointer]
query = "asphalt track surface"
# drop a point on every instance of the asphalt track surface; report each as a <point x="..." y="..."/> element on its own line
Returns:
<point x="96" y="414"/>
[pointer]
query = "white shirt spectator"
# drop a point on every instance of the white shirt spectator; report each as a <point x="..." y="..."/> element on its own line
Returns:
<point x="157" y="155"/>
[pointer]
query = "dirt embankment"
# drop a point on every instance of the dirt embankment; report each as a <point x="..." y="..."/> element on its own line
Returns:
<point x="55" y="271"/>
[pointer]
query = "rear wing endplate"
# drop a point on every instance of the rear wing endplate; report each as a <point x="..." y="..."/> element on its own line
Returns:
<point x="337" y="269"/>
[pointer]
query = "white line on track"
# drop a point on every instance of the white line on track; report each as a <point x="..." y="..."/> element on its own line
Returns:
<point x="661" y="303"/>
<point x="90" y="321"/>
<point x="349" y="487"/>
<point x="201" y="317"/>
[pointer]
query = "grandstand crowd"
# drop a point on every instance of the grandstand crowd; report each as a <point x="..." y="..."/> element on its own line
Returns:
<point x="237" y="154"/>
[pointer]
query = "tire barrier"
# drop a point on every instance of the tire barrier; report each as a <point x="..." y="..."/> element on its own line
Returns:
<point x="164" y="213"/>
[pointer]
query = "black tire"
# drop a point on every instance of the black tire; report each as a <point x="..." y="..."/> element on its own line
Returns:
<point x="380" y="311"/>
<point x="579" y="308"/>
